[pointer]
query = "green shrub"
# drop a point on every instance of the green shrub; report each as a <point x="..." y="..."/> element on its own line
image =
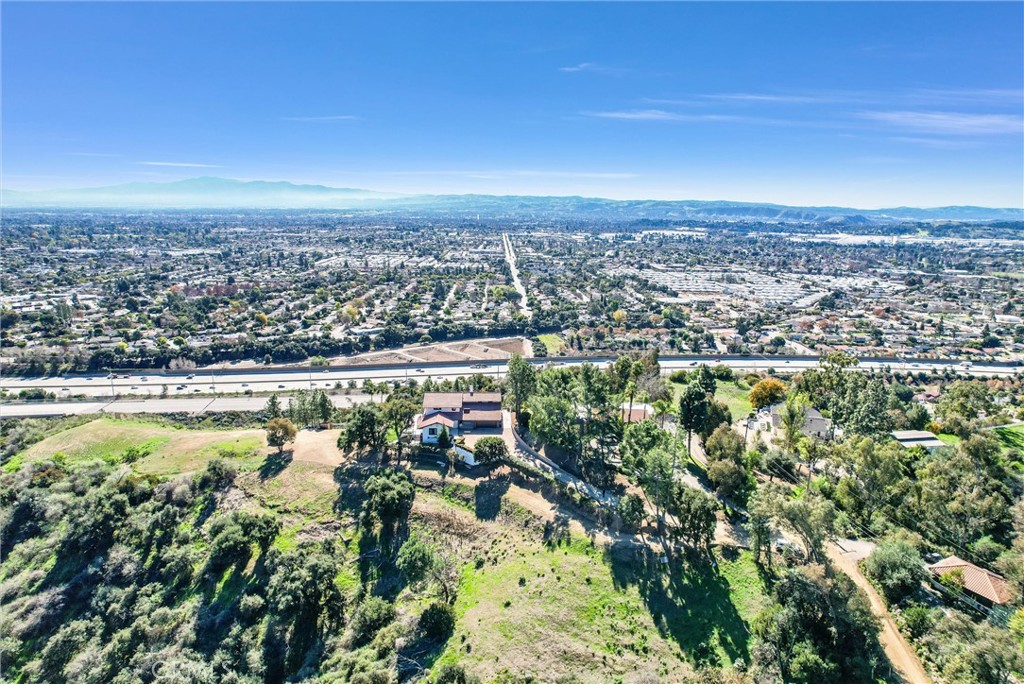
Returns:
<point x="896" y="568"/>
<point x="371" y="615"/>
<point x="437" y="622"/>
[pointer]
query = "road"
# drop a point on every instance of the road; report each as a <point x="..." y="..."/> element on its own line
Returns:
<point x="193" y="405"/>
<point x="211" y="382"/>
<point x="510" y="256"/>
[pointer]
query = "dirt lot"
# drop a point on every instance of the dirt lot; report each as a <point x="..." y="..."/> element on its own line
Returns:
<point x="317" y="446"/>
<point x="436" y="354"/>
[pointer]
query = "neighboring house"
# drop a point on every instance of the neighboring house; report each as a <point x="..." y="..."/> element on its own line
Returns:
<point x="457" y="412"/>
<point x="815" y="424"/>
<point x="985" y="587"/>
<point x="918" y="438"/>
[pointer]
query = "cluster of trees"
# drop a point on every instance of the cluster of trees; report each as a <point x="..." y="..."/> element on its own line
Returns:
<point x="580" y="411"/>
<point x="151" y="574"/>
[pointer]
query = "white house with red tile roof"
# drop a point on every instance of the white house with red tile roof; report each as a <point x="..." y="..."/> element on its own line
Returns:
<point x="457" y="412"/>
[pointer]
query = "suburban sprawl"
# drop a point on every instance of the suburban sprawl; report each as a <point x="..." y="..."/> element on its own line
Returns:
<point x="490" y="443"/>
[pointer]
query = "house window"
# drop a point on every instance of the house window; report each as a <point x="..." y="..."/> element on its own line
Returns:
<point x="432" y="431"/>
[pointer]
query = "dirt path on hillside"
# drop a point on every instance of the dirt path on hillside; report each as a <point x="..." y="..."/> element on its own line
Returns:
<point x="899" y="652"/>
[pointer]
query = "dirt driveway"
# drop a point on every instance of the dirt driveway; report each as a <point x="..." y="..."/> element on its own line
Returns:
<point x="900" y="654"/>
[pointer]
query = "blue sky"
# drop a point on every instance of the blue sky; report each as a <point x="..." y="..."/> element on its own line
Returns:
<point x="863" y="104"/>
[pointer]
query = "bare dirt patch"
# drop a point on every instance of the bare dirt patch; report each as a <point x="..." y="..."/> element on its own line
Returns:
<point x="512" y="345"/>
<point x="317" y="446"/>
<point x="436" y="354"/>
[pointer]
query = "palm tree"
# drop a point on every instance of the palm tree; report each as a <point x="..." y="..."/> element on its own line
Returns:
<point x="662" y="407"/>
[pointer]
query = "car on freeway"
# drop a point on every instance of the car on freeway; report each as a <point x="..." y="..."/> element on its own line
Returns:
<point x="190" y="376"/>
<point x="245" y="384"/>
<point x="280" y="387"/>
<point x="135" y="387"/>
<point x="479" y="365"/>
<point x="419" y="370"/>
<point x="65" y="389"/>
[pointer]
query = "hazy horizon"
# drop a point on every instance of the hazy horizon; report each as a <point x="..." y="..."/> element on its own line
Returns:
<point x="859" y="105"/>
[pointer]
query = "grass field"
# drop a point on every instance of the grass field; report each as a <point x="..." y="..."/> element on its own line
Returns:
<point x="553" y="343"/>
<point x="541" y="608"/>
<point x="949" y="440"/>
<point x="1012" y="437"/>
<point x="733" y="395"/>
<point x="163" y="450"/>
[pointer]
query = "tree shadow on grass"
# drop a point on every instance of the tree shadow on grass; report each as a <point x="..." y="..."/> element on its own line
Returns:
<point x="488" y="495"/>
<point x="556" y="532"/>
<point x="688" y="599"/>
<point x="274" y="463"/>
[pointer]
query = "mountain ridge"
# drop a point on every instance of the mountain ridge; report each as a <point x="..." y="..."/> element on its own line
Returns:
<point x="212" y="192"/>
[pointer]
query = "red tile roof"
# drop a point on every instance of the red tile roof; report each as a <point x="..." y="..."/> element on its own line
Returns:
<point x="978" y="581"/>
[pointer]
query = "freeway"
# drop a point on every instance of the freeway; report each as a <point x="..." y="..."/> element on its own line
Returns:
<point x="143" y="384"/>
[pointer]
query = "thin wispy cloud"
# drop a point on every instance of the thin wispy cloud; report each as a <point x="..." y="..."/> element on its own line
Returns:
<point x="658" y="115"/>
<point x="768" y="98"/>
<point x="937" y="143"/>
<point x="593" y="68"/>
<point x="183" y="165"/>
<point x="320" y="119"/>
<point x="949" y="123"/>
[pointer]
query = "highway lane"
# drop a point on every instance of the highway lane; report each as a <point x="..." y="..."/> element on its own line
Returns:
<point x="211" y="382"/>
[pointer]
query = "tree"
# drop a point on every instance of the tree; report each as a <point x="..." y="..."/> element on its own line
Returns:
<point x="896" y="568"/>
<point x="812" y="518"/>
<point x="717" y="414"/>
<point x="437" y="622"/>
<point x="372" y="614"/>
<point x="422" y="562"/>
<point x="521" y="381"/>
<point x="280" y="431"/>
<point x="273" y="408"/>
<point x="767" y="392"/>
<point x="631" y="511"/>
<point x="816" y="629"/>
<point x="704" y="378"/>
<point x="551" y="420"/>
<point x="762" y="520"/>
<point x="389" y="497"/>
<point x="694" y="512"/>
<point x="726" y="468"/>
<point x="693" y="409"/>
<point x="965" y="398"/>
<point x="490" y="450"/>
<point x="363" y="428"/>
<point x="792" y="416"/>
<point x="638" y="439"/>
<point x="653" y="473"/>
<point x="444" y="439"/>
<point x="397" y="413"/>
<point x="875" y="476"/>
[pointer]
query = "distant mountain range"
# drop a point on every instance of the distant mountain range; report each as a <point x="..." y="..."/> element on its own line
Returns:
<point x="224" y="193"/>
